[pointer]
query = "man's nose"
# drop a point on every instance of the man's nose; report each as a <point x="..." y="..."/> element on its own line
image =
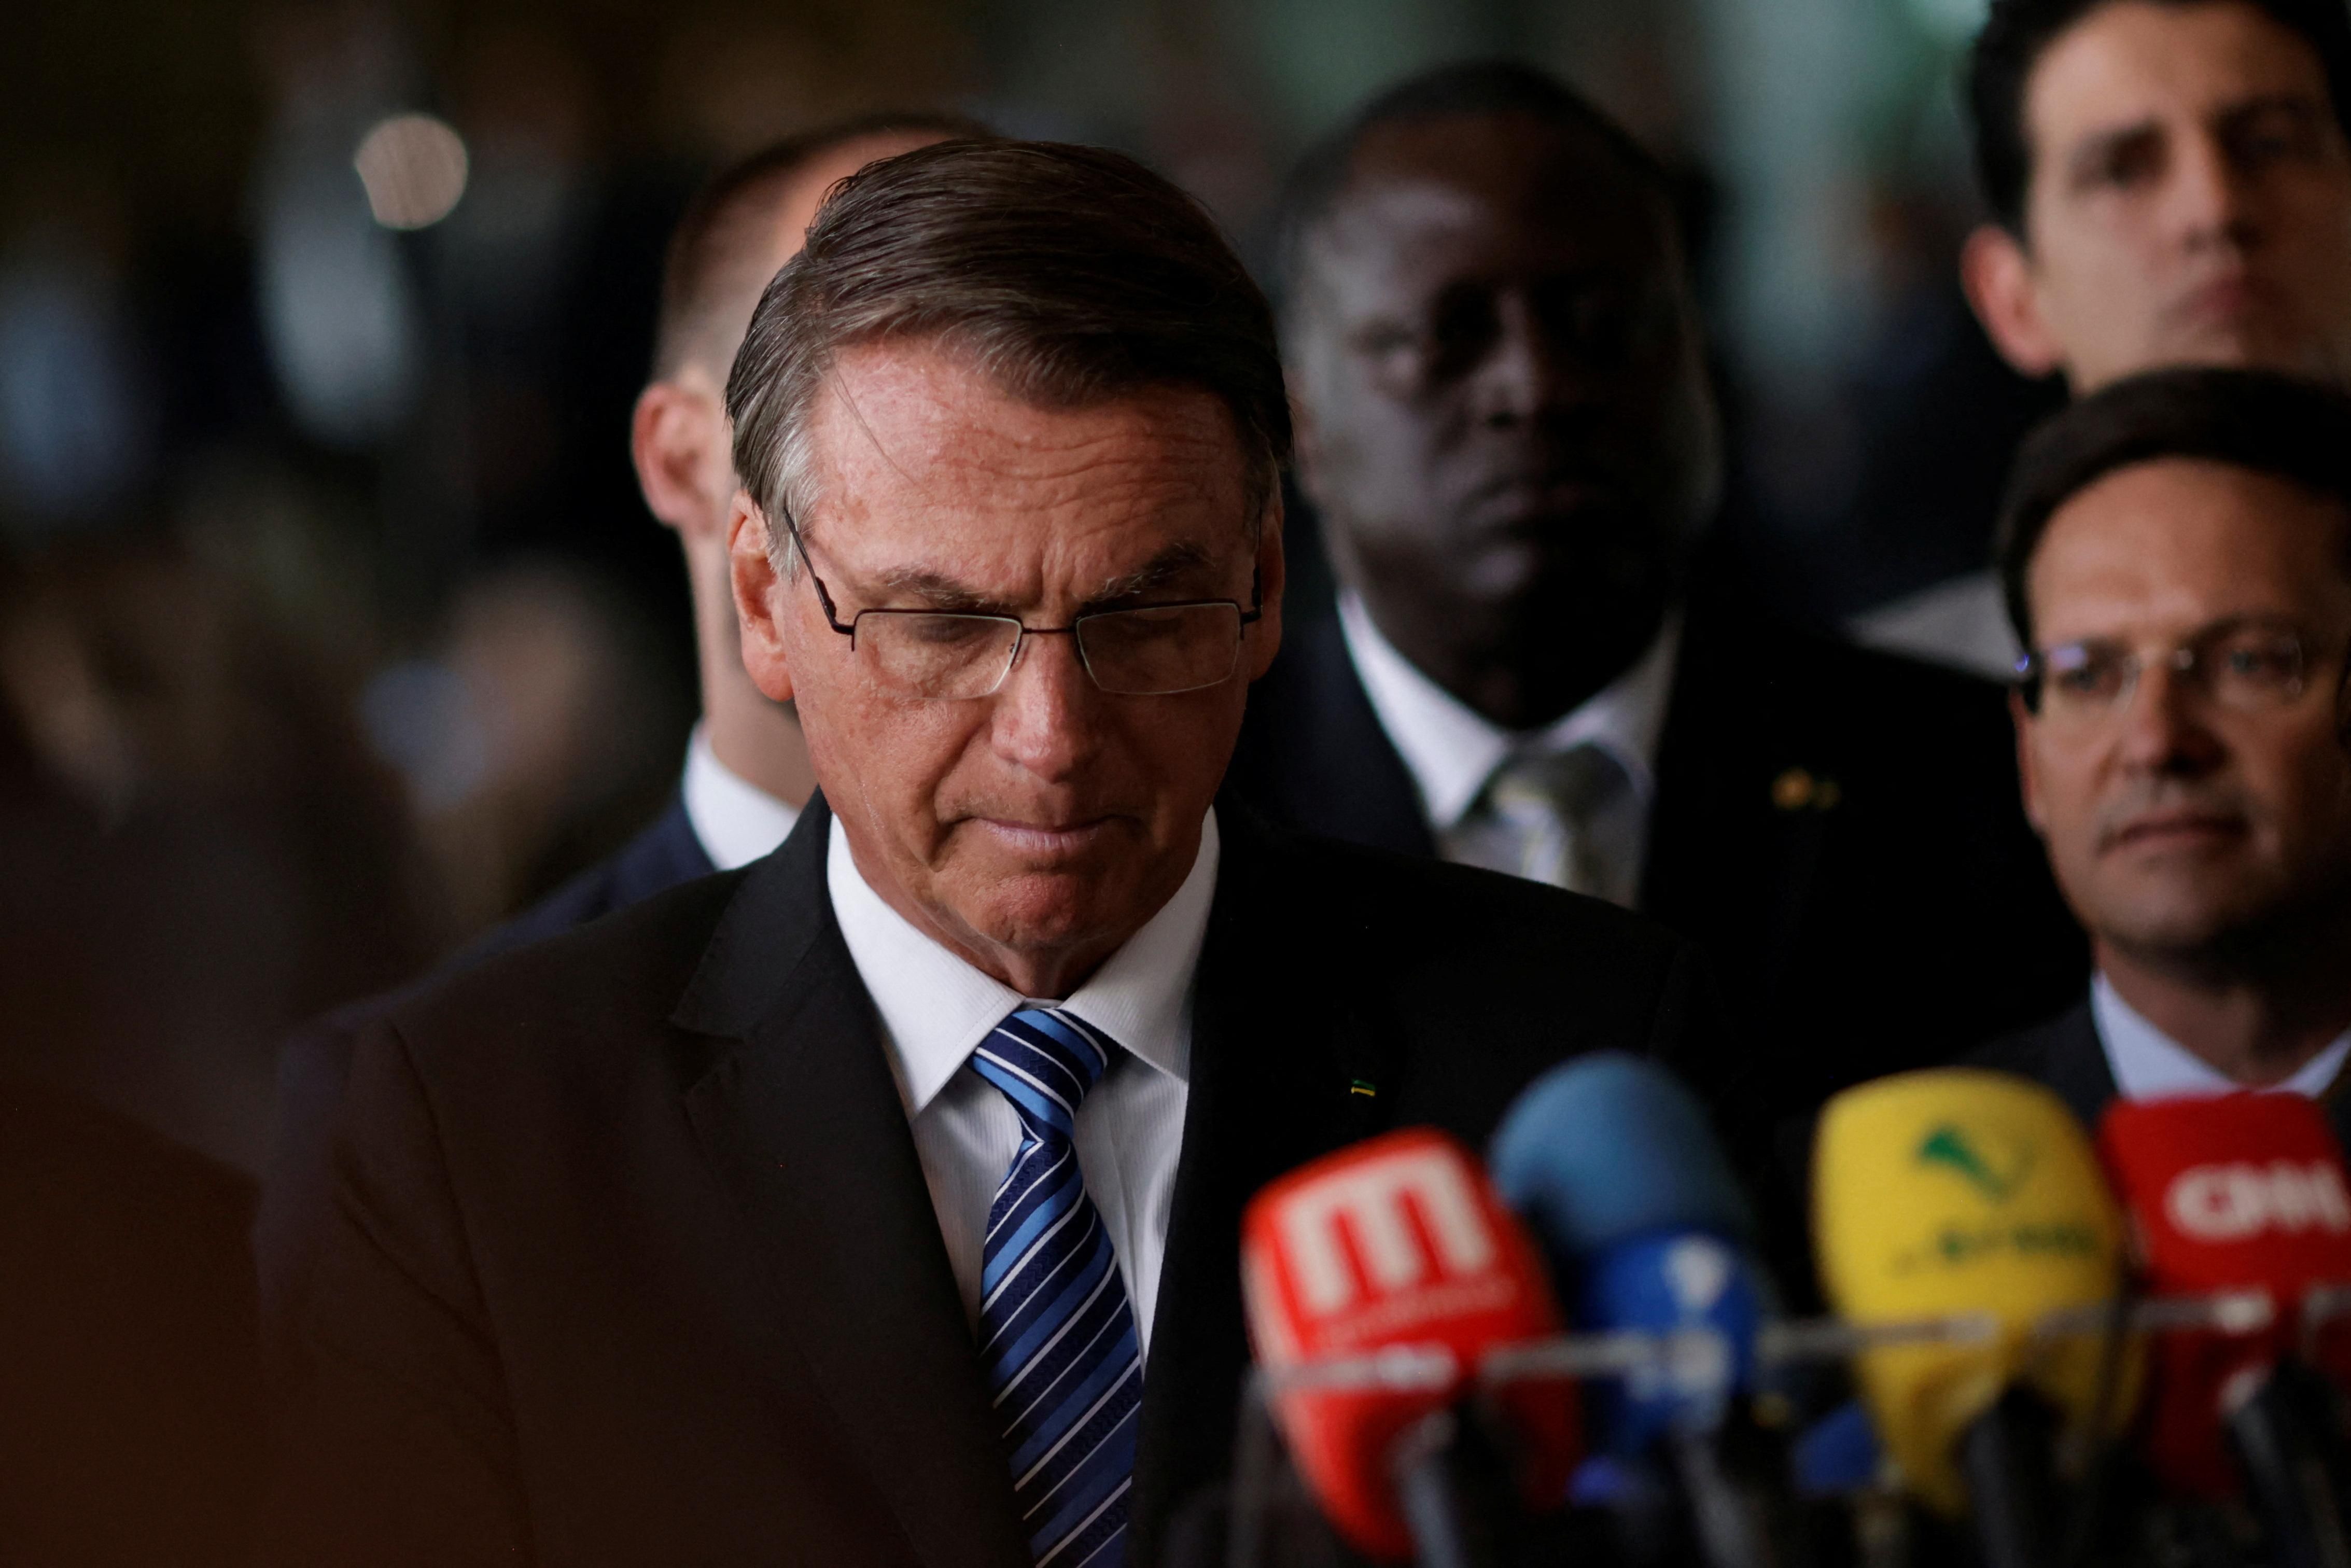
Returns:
<point x="2165" y="726"/>
<point x="1524" y="372"/>
<point x="1048" y="710"/>
<point x="2210" y="198"/>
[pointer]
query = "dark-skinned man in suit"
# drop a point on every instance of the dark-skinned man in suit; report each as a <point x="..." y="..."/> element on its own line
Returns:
<point x="1506" y="428"/>
<point x="2177" y="552"/>
<point x="879" y="1203"/>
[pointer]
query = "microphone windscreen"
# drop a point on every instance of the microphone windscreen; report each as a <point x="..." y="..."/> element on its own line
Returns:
<point x="1961" y="1191"/>
<point x="2237" y="1192"/>
<point x="1708" y="1299"/>
<point x="1610" y="1146"/>
<point x="1399" y="1245"/>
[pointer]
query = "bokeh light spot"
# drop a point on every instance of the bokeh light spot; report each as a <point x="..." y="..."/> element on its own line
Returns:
<point x="414" y="167"/>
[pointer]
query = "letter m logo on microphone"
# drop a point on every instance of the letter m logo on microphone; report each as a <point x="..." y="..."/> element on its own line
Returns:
<point x="1373" y="1201"/>
<point x="1392" y="1239"/>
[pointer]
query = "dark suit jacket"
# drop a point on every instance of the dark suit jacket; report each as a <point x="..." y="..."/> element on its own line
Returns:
<point x="633" y="1261"/>
<point x="1837" y="829"/>
<point x="315" y="1062"/>
<point x="2064" y="1053"/>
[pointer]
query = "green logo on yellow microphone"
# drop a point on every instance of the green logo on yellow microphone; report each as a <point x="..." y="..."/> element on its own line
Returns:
<point x="1996" y="1177"/>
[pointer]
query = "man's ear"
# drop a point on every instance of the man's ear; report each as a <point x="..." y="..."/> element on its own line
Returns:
<point x="2027" y="779"/>
<point x="1998" y="277"/>
<point x="762" y="600"/>
<point x="1272" y="576"/>
<point x="673" y="437"/>
<point x="1305" y="445"/>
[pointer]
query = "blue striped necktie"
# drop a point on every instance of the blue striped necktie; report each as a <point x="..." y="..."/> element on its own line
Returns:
<point x="1056" y="1333"/>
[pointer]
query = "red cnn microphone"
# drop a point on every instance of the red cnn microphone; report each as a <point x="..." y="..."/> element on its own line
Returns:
<point x="1377" y="1280"/>
<point x="2240" y="1193"/>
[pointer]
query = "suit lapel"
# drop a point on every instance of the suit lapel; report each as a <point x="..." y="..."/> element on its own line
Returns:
<point x="803" y="1121"/>
<point x="1274" y="1055"/>
<point x="1328" y="766"/>
<point x="2078" y="1070"/>
<point x="1735" y="817"/>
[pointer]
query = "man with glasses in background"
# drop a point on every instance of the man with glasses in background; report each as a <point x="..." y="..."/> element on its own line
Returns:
<point x="2175" y="553"/>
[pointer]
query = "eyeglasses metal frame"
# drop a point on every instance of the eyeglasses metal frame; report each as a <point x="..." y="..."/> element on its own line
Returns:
<point x="1248" y="615"/>
<point x="2193" y="660"/>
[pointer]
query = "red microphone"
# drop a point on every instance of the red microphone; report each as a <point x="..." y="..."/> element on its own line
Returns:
<point x="1377" y="1280"/>
<point x="2241" y="1193"/>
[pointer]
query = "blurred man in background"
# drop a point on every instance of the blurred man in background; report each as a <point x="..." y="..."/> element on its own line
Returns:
<point x="2170" y="184"/>
<point x="2177" y="553"/>
<point x="746" y="769"/>
<point x="1505" y="422"/>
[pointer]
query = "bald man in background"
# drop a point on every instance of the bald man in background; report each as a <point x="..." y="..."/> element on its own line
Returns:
<point x="746" y="769"/>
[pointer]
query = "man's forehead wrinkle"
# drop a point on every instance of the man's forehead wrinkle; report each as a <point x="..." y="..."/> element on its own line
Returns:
<point x="848" y="400"/>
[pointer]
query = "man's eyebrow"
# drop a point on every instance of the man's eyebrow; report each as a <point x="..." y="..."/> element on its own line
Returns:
<point x="2296" y="101"/>
<point x="1169" y="565"/>
<point x="2099" y="145"/>
<point x="937" y="591"/>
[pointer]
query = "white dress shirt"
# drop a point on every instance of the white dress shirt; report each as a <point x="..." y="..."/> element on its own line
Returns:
<point x="935" y="1007"/>
<point x="736" y="822"/>
<point x="1452" y="750"/>
<point x="2148" y="1065"/>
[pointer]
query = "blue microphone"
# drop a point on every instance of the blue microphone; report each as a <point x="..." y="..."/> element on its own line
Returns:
<point x="1613" y="1162"/>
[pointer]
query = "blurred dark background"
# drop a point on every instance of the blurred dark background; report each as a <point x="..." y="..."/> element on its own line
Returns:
<point x="332" y="627"/>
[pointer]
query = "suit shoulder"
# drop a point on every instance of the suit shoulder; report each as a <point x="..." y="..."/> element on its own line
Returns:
<point x="1448" y="907"/>
<point x="625" y="970"/>
<point x="2029" y="1052"/>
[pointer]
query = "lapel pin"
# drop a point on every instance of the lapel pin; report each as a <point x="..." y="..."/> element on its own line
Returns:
<point x="1360" y="1087"/>
<point x="1797" y="788"/>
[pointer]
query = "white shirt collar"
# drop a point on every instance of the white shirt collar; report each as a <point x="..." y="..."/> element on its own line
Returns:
<point x="1451" y="749"/>
<point x="2148" y="1065"/>
<point x="935" y="1007"/>
<point x="737" y="821"/>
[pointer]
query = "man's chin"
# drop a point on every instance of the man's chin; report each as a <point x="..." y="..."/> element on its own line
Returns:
<point x="1047" y="912"/>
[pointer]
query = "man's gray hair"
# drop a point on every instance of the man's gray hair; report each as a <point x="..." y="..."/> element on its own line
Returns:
<point x="1070" y="275"/>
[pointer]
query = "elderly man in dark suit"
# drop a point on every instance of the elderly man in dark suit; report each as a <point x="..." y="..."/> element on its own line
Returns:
<point x="2177" y="554"/>
<point x="1505" y="427"/>
<point x="879" y="1204"/>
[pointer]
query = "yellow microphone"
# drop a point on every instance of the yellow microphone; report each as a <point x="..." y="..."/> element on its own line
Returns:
<point x="1956" y="1193"/>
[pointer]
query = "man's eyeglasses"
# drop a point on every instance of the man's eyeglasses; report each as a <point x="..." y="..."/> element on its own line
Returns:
<point x="1153" y="649"/>
<point x="2242" y="665"/>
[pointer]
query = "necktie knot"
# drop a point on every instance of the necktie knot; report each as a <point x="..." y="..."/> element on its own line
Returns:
<point x="1557" y="784"/>
<point x="1044" y="1060"/>
<point x="1567" y="818"/>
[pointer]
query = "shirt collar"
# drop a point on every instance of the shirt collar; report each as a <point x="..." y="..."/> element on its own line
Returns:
<point x="935" y="1007"/>
<point x="735" y="820"/>
<point x="1451" y="749"/>
<point x="2148" y="1065"/>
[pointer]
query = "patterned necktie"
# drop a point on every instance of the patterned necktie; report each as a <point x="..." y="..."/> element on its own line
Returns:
<point x="1560" y="818"/>
<point x="1056" y="1334"/>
